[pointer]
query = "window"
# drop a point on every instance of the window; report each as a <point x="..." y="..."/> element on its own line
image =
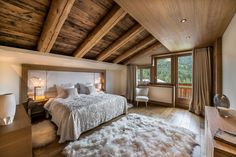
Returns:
<point x="184" y="79"/>
<point x="163" y="70"/>
<point x="143" y="75"/>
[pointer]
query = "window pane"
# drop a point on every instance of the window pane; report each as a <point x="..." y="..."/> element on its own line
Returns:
<point x="163" y="70"/>
<point x="146" y="75"/>
<point x="185" y="69"/>
<point x="185" y="77"/>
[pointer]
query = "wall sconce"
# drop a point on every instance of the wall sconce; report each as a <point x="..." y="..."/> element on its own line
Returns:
<point x="7" y="108"/>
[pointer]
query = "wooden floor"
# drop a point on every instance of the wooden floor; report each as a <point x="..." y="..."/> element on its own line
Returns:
<point x="176" y="116"/>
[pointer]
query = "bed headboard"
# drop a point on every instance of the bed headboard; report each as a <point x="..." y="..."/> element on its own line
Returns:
<point x="52" y="76"/>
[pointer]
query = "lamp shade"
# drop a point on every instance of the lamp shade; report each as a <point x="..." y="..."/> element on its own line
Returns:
<point x="7" y="108"/>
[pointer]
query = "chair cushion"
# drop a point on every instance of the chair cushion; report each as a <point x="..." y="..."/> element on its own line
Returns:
<point x="142" y="98"/>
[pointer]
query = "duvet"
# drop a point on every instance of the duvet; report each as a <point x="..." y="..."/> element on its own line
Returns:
<point x="75" y="115"/>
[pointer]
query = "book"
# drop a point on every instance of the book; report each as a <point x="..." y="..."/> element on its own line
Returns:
<point x="226" y="137"/>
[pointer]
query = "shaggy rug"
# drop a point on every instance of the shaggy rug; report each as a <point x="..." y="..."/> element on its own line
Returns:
<point x="43" y="133"/>
<point x="135" y="136"/>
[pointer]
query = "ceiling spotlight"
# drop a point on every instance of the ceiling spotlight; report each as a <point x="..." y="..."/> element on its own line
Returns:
<point x="183" y="20"/>
<point x="188" y="37"/>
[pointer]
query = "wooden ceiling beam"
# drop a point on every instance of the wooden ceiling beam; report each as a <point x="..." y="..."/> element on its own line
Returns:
<point x="144" y="52"/>
<point x="110" y="20"/>
<point x="120" y="42"/>
<point x="58" y="13"/>
<point x="135" y="49"/>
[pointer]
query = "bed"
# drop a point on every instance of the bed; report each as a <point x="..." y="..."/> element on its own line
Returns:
<point x="75" y="115"/>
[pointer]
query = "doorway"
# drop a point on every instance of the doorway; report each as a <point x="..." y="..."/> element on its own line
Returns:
<point x="183" y="80"/>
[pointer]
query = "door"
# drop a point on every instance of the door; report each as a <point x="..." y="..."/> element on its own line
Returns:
<point x="183" y="85"/>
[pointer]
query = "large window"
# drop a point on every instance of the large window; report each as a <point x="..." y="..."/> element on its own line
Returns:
<point x="163" y="70"/>
<point x="143" y="75"/>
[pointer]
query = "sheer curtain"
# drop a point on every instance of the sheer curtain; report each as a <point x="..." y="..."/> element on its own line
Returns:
<point x="131" y="82"/>
<point x="202" y="80"/>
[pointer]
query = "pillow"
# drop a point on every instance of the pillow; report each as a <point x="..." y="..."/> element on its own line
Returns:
<point x="61" y="93"/>
<point x="72" y="92"/>
<point x="82" y="89"/>
<point x="91" y="89"/>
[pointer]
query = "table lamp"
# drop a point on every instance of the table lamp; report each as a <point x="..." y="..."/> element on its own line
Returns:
<point x="7" y="108"/>
<point x="38" y="83"/>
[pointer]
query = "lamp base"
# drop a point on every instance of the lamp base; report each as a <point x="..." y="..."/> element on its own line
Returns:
<point x="6" y="120"/>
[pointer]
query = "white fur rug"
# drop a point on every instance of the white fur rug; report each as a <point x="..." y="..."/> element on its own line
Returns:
<point x="135" y="136"/>
<point x="43" y="133"/>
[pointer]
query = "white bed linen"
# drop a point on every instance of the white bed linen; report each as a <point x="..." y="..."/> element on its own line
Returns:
<point x="75" y="115"/>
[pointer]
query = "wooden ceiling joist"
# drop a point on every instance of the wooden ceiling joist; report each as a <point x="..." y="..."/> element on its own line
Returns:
<point x="135" y="49"/>
<point x="120" y="42"/>
<point x="110" y="20"/>
<point x="58" y="13"/>
<point x="144" y="52"/>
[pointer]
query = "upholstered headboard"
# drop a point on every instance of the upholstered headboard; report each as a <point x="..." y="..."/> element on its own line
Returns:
<point x="51" y="76"/>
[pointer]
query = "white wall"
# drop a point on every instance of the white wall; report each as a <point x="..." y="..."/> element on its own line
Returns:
<point x="229" y="62"/>
<point x="10" y="76"/>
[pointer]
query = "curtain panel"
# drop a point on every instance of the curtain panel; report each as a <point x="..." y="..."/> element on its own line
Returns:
<point x="131" y="82"/>
<point x="202" y="80"/>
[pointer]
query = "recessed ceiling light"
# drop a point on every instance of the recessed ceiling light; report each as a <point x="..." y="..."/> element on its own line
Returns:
<point x="188" y="37"/>
<point x="183" y="20"/>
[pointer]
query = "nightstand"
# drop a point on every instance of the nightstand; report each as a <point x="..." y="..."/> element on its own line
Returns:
<point x="36" y="110"/>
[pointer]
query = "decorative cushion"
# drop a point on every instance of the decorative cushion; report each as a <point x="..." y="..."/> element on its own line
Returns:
<point x="142" y="98"/>
<point x="72" y="92"/>
<point x="82" y="88"/>
<point x="61" y="93"/>
<point x="85" y="88"/>
<point x="91" y="89"/>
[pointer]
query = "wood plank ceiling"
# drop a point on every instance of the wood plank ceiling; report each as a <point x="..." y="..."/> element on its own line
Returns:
<point x="206" y="20"/>
<point x="92" y="29"/>
<point x="101" y="30"/>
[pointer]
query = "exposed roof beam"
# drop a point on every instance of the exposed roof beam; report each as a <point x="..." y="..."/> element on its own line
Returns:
<point x="59" y="11"/>
<point x="135" y="49"/>
<point x="144" y="52"/>
<point x="110" y="20"/>
<point x="120" y="42"/>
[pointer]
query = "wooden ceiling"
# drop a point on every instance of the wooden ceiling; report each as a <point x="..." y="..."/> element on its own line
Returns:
<point x="92" y="29"/>
<point x="102" y="30"/>
<point x="206" y="20"/>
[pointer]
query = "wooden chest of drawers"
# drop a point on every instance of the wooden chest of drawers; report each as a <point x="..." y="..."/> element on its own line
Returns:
<point x="15" y="139"/>
<point x="213" y="121"/>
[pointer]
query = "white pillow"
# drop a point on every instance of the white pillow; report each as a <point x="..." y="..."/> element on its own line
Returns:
<point x="61" y="93"/>
<point x="91" y="89"/>
<point x="72" y="92"/>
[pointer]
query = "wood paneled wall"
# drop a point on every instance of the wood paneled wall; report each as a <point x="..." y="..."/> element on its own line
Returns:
<point x="217" y="67"/>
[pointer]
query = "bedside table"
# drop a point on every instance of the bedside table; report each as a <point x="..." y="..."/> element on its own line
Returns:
<point x="36" y="109"/>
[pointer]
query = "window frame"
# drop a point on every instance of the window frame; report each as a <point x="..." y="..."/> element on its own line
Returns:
<point x="141" y="67"/>
<point x="172" y="70"/>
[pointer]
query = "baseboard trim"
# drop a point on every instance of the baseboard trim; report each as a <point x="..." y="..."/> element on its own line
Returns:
<point x="161" y="103"/>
